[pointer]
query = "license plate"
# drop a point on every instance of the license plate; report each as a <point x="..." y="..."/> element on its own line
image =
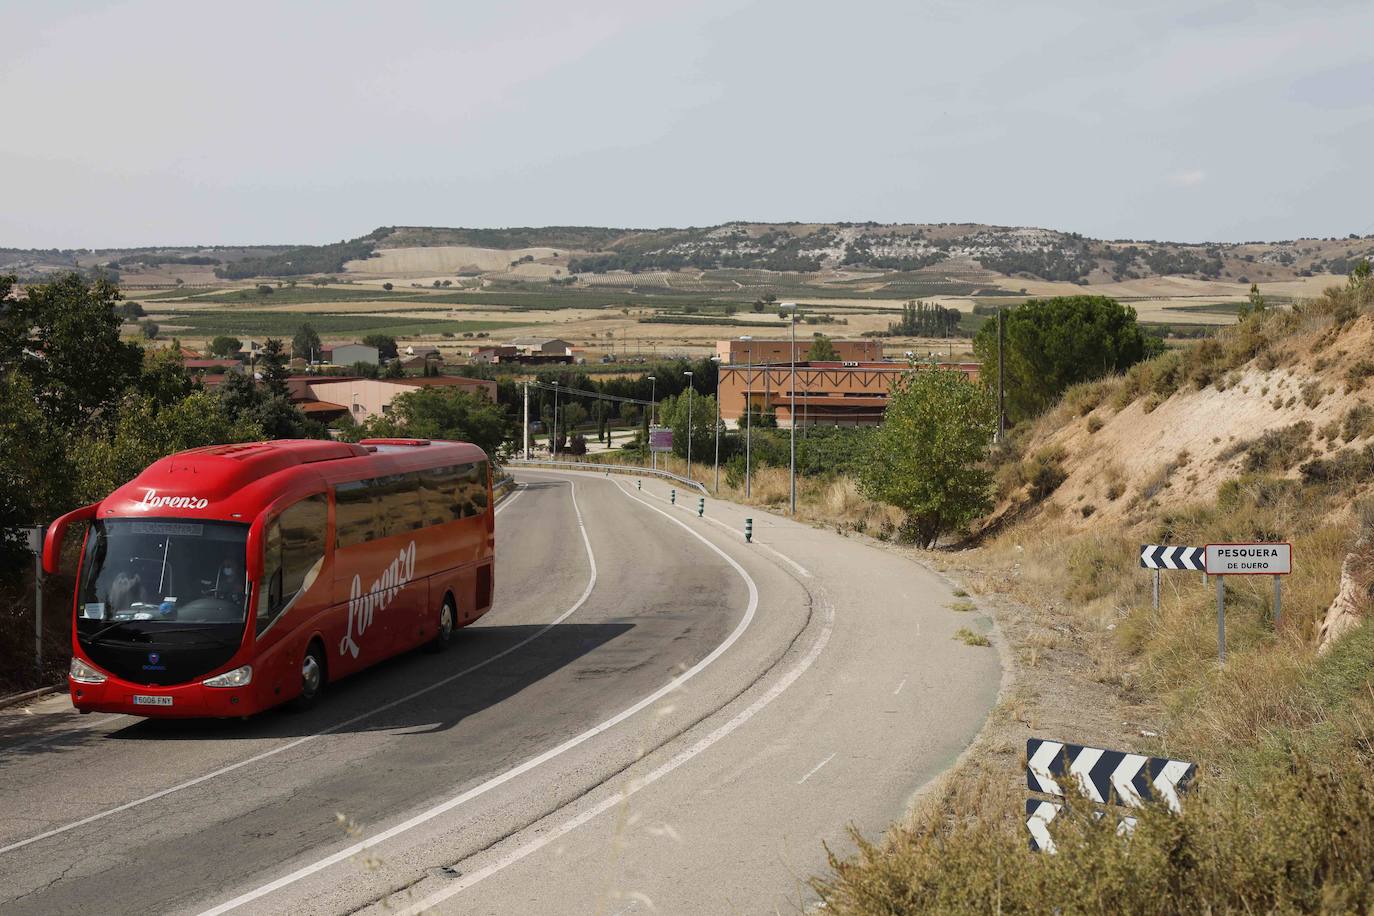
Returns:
<point x="152" y="701"/>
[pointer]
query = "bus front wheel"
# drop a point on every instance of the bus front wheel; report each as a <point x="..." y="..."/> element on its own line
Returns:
<point x="443" y="634"/>
<point x="312" y="677"/>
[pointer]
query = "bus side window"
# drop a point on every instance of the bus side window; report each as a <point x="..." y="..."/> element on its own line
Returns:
<point x="293" y="555"/>
<point x="479" y="486"/>
<point x="398" y="502"/>
<point x="355" y="517"/>
<point x="434" y="499"/>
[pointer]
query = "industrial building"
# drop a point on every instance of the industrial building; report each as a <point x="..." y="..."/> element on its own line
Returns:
<point x="827" y="393"/>
<point x="756" y="350"/>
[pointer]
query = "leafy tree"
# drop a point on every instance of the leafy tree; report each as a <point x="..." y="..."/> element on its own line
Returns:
<point x="822" y="349"/>
<point x="1054" y="343"/>
<point x="367" y="370"/>
<point x="64" y="338"/>
<point x="674" y="412"/>
<point x="274" y="371"/>
<point x="306" y="343"/>
<point x="265" y="289"/>
<point x="388" y="287"/>
<point x="385" y="344"/>
<point x="394" y="369"/>
<point x="927" y="457"/>
<point x="164" y="380"/>
<point x="145" y="432"/>
<point x="224" y="346"/>
<point x="1254" y="303"/>
<point x="440" y="413"/>
<point x="128" y="310"/>
<point x="148" y="328"/>
<point x="36" y="474"/>
<point x="577" y="445"/>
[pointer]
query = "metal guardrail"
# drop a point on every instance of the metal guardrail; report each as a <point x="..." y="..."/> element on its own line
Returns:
<point x="617" y="468"/>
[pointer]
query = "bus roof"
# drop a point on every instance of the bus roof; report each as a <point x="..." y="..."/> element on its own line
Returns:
<point x="239" y="481"/>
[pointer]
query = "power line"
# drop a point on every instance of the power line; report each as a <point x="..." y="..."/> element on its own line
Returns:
<point x="589" y="394"/>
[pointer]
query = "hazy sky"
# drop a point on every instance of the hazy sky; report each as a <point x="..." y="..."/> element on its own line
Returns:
<point x="151" y="122"/>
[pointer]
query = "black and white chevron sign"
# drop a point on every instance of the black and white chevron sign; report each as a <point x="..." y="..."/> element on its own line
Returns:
<point x="1040" y="813"/>
<point x="1108" y="777"/>
<point x="1160" y="556"/>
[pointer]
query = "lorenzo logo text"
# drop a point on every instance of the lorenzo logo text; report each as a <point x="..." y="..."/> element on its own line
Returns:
<point x="362" y="606"/>
<point x="152" y="501"/>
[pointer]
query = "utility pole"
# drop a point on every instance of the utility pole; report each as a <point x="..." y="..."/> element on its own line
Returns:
<point x="526" y="439"/>
<point x="717" y="359"/>
<point x="553" y="442"/>
<point x="792" y="410"/>
<point x="1001" y="385"/>
<point x="653" y="415"/>
<point x="689" y="423"/>
<point x="748" y="410"/>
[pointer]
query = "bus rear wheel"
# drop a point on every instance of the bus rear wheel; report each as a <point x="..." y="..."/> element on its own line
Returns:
<point x="448" y="622"/>
<point x="312" y="677"/>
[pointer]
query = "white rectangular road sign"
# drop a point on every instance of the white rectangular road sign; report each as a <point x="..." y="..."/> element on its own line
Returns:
<point x="1249" y="559"/>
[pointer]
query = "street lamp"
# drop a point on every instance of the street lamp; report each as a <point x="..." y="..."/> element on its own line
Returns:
<point x="689" y="423"/>
<point x="792" y="410"/>
<point x="553" y="443"/>
<point x="716" y="360"/>
<point x="653" y="415"/>
<point x="748" y="409"/>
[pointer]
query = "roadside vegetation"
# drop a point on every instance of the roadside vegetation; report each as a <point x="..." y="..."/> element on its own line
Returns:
<point x="1282" y="815"/>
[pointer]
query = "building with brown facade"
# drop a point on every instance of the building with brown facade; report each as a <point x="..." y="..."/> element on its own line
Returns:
<point x="827" y="393"/>
<point x="753" y="350"/>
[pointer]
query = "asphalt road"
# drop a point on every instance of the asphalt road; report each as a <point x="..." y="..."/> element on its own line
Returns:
<point x="655" y="717"/>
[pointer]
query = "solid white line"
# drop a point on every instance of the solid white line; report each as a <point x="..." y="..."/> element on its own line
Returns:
<point x="508" y="500"/>
<point x="899" y="687"/>
<point x="519" y="770"/>
<point x="586" y="593"/>
<point x="634" y="785"/>
<point x="812" y="771"/>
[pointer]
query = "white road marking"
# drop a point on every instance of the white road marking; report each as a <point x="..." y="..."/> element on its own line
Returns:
<point x="813" y="770"/>
<point x="163" y="793"/>
<point x="899" y="687"/>
<point x="634" y="785"/>
<point x="508" y="500"/>
<point x="519" y="770"/>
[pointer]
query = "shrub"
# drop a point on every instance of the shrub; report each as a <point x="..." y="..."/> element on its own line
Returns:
<point x="1312" y="393"/>
<point x="1360" y="370"/>
<point x="1279" y="449"/>
<point x="970" y="638"/>
<point x="1358" y="423"/>
<point x="1094" y="424"/>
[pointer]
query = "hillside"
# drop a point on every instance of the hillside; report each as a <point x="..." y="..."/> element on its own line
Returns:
<point x="1264" y="432"/>
<point x="845" y="258"/>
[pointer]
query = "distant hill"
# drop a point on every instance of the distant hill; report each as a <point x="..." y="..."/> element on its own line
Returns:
<point x="823" y="253"/>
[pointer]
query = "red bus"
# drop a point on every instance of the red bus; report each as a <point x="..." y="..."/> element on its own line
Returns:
<point x="225" y="580"/>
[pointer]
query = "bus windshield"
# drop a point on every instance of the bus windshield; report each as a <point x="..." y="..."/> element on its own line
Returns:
<point x="162" y="571"/>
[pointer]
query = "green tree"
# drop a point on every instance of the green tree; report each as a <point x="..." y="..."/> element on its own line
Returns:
<point x="393" y="369"/>
<point x="388" y="287"/>
<point x="385" y="344"/>
<point x="64" y="338"/>
<point x="148" y="328"/>
<point x="927" y="457"/>
<point x="306" y="343"/>
<point x="1054" y="343"/>
<point x="273" y="367"/>
<point x="224" y="346"/>
<point x="145" y="432"/>
<point x="36" y="472"/>
<point x="822" y="349"/>
<point x="674" y="412"/>
<point x="440" y="413"/>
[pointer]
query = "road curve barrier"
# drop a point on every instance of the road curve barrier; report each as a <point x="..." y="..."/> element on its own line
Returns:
<point x="617" y="468"/>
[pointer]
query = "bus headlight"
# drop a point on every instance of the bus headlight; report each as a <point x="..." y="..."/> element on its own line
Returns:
<point x="239" y="677"/>
<point x="83" y="673"/>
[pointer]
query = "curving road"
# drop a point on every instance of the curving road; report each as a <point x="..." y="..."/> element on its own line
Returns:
<point x="656" y="716"/>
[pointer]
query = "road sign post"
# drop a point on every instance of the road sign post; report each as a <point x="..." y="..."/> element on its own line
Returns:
<point x="36" y="545"/>
<point x="1224" y="560"/>
<point x="1157" y="557"/>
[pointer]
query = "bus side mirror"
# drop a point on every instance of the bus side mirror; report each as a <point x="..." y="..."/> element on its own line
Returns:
<point x="57" y="531"/>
